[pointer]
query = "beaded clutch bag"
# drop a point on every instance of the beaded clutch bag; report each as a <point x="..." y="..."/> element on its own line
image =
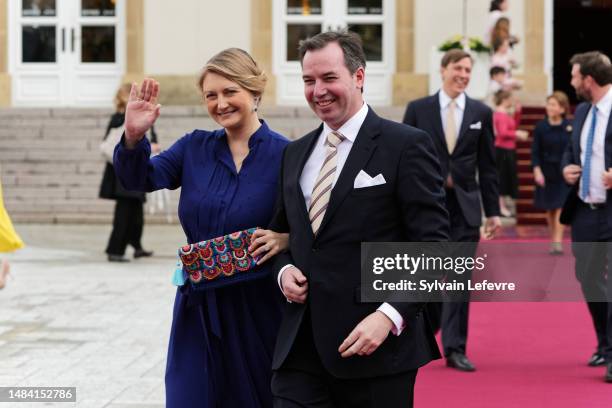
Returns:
<point x="220" y="261"/>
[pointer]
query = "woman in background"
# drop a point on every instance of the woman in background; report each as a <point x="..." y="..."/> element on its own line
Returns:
<point x="506" y="134"/>
<point x="222" y="339"/>
<point x="550" y="139"/>
<point x="128" y="220"/>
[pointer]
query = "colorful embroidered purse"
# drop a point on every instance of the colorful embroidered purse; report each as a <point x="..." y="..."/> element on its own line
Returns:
<point x="220" y="261"/>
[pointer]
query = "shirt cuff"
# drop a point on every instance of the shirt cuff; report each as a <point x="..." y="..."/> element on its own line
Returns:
<point x="278" y="279"/>
<point x="394" y="316"/>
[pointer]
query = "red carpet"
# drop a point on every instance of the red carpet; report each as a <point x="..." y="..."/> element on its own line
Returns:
<point x="528" y="355"/>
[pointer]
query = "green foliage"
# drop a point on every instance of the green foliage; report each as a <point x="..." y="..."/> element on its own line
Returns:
<point x="474" y="43"/>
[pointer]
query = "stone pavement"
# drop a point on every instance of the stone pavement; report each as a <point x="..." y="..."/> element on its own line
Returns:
<point x="69" y="318"/>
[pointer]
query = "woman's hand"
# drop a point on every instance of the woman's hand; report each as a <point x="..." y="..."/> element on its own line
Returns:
<point x="141" y="112"/>
<point x="522" y="135"/>
<point x="538" y="176"/>
<point x="269" y="243"/>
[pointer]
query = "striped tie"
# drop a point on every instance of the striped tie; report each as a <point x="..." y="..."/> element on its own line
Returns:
<point x="323" y="186"/>
<point x="588" y="153"/>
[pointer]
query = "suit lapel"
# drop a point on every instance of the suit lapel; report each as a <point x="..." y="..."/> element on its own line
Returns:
<point x="301" y="161"/>
<point x="578" y="124"/>
<point x="608" y="144"/>
<point x="358" y="157"/>
<point x="468" y="118"/>
<point x="437" y="120"/>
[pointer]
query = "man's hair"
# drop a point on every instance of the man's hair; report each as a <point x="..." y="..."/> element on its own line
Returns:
<point x="351" y="44"/>
<point x="496" y="70"/>
<point x="594" y="64"/>
<point x="453" y="56"/>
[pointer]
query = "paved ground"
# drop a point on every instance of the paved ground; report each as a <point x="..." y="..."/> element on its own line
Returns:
<point x="70" y="318"/>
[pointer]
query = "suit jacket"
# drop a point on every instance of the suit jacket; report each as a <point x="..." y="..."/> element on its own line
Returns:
<point x="572" y="156"/>
<point x="408" y="207"/>
<point x="473" y="156"/>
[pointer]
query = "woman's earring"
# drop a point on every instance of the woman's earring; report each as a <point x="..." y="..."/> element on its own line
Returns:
<point x="255" y="102"/>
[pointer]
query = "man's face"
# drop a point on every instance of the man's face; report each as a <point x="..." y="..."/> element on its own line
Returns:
<point x="333" y="93"/>
<point x="456" y="77"/>
<point x="580" y="84"/>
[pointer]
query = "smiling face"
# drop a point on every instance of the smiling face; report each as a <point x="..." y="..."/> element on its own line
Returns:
<point x="333" y="93"/>
<point x="554" y="110"/>
<point x="456" y="76"/>
<point x="230" y="105"/>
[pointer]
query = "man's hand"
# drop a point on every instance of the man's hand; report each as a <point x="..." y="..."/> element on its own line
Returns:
<point x="571" y="173"/>
<point x="367" y="336"/>
<point x="491" y="227"/>
<point x="294" y="285"/>
<point x="606" y="178"/>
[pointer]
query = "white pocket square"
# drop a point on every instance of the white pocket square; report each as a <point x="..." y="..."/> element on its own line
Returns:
<point x="363" y="179"/>
<point x="477" y="125"/>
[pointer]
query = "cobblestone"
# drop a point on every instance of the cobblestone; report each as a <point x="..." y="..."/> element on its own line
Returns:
<point x="69" y="318"/>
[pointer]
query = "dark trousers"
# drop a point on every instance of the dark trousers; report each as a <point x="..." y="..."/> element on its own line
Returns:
<point x="303" y="382"/>
<point x="128" y="223"/>
<point x="452" y="315"/>
<point x="592" y="265"/>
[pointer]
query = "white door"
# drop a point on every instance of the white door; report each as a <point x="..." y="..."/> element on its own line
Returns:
<point x="373" y="20"/>
<point x="66" y="52"/>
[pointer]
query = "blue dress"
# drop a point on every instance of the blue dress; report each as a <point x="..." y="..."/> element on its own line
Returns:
<point x="549" y="143"/>
<point x="221" y="341"/>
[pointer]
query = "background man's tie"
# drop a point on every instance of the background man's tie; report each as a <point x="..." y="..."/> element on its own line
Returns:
<point x="450" y="133"/>
<point x="323" y="186"/>
<point x="588" y="152"/>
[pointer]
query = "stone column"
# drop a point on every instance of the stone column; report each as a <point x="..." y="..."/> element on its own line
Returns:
<point x="407" y="85"/>
<point x="5" y="78"/>
<point x="261" y="44"/>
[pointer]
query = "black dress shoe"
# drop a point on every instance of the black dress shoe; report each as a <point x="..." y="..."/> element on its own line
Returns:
<point x="460" y="362"/>
<point x="597" y="360"/>
<point x="140" y="253"/>
<point x="609" y="373"/>
<point x="117" y="258"/>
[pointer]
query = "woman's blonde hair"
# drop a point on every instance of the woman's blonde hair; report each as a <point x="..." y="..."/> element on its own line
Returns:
<point x="122" y="96"/>
<point x="238" y="66"/>
<point x="563" y="100"/>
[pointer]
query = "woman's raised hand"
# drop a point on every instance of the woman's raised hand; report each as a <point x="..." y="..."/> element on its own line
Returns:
<point x="142" y="110"/>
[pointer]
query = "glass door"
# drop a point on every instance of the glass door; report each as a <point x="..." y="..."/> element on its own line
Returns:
<point x="67" y="53"/>
<point x="373" y="20"/>
<point x="96" y="48"/>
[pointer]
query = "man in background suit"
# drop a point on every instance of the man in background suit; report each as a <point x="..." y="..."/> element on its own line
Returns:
<point x="462" y="131"/>
<point x="357" y="178"/>
<point x="587" y="165"/>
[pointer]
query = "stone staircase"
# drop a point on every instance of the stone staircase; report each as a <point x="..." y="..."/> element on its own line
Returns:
<point x="51" y="167"/>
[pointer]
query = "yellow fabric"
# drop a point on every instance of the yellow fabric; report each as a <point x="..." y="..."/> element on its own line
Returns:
<point x="9" y="240"/>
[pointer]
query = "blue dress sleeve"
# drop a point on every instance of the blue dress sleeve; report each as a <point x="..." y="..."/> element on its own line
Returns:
<point x="535" y="145"/>
<point x="137" y="171"/>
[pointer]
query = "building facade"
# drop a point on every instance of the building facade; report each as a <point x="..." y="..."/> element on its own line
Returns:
<point x="75" y="53"/>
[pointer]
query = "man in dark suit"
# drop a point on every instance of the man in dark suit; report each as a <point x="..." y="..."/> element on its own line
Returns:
<point x="587" y="166"/>
<point x="356" y="178"/>
<point x="462" y="131"/>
